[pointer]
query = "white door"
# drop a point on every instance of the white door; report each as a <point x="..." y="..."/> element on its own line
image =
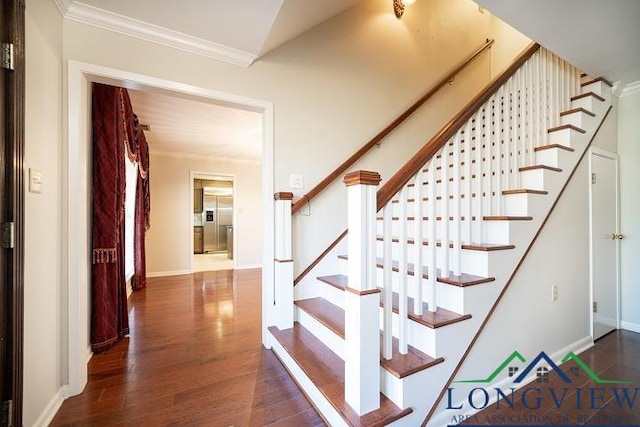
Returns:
<point x="604" y="241"/>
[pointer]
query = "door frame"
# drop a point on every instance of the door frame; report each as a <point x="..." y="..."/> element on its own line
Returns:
<point x="77" y="193"/>
<point x="12" y="101"/>
<point x="595" y="151"/>
<point x="228" y="177"/>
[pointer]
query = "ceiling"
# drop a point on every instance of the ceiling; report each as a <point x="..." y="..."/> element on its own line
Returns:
<point x="599" y="36"/>
<point x="602" y="37"/>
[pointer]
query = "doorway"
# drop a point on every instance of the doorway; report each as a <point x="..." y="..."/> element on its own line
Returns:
<point x="604" y="242"/>
<point x="77" y="192"/>
<point x="214" y="224"/>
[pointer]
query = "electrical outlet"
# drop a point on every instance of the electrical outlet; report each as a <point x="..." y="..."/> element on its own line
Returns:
<point x="35" y="181"/>
<point x="295" y="181"/>
<point x="554" y="292"/>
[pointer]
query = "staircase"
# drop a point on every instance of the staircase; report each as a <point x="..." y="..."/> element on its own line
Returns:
<point x="376" y="335"/>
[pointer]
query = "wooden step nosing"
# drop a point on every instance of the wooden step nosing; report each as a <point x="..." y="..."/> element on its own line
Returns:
<point x="596" y="80"/>
<point x="587" y="94"/>
<point x="524" y="191"/>
<point x="322" y="319"/>
<point x="507" y="218"/>
<point x="534" y="167"/>
<point x="400" y="375"/>
<point x="567" y="126"/>
<point x="551" y="146"/>
<point x="577" y="110"/>
<point x="329" y="281"/>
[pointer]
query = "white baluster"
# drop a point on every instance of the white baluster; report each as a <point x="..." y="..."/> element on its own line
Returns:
<point x="498" y="135"/>
<point x="387" y="315"/>
<point x="444" y="176"/>
<point x="432" y="236"/>
<point x="530" y="113"/>
<point x="362" y="299"/>
<point x="402" y="273"/>
<point x="468" y="172"/>
<point x="283" y="263"/>
<point x="479" y="213"/>
<point x="457" y="231"/>
<point x="418" y="248"/>
<point x="507" y="132"/>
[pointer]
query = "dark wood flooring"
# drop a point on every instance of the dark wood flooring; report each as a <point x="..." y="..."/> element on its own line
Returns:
<point x="194" y="358"/>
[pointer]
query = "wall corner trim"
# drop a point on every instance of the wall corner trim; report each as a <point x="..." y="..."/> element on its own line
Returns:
<point x="51" y="409"/>
<point x="630" y="89"/>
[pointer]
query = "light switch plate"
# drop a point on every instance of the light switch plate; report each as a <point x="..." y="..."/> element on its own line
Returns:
<point x="35" y="181"/>
<point x="295" y="181"/>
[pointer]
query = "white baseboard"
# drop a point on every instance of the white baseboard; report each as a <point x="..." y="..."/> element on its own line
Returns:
<point x="630" y="326"/>
<point x="247" y="267"/>
<point x="51" y="410"/>
<point x="168" y="273"/>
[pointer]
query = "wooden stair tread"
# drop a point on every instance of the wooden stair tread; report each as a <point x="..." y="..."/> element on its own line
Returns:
<point x="424" y="218"/>
<point x="324" y="312"/>
<point x="471" y="247"/>
<point x="338" y="281"/>
<point x="403" y="365"/>
<point x="507" y="218"/>
<point x="524" y="191"/>
<point x="431" y="319"/>
<point x="562" y="127"/>
<point x="534" y="167"/>
<point x="577" y="110"/>
<point x="487" y="247"/>
<point x="587" y="94"/>
<point x="595" y="80"/>
<point x="326" y="371"/>
<point x="452" y="279"/>
<point x="400" y="365"/>
<point x="550" y="146"/>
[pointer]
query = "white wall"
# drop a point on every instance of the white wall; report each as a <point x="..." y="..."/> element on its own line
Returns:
<point x="169" y="238"/>
<point x="44" y="350"/>
<point x="629" y="150"/>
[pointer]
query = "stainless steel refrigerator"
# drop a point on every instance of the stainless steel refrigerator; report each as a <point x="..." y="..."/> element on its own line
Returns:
<point x="218" y="216"/>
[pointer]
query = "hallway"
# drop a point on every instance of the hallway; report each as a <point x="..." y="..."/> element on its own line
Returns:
<point x="193" y="358"/>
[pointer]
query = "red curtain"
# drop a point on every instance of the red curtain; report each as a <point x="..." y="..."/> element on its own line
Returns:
<point x="109" y="317"/>
<point x="115" y="131"/>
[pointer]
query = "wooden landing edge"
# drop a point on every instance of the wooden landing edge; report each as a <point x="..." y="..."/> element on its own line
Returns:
<point x="515" y="271"/>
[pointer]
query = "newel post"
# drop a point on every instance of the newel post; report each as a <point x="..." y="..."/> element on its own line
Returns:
<point x="283" y="262"/>
<point x="362" y="299"/>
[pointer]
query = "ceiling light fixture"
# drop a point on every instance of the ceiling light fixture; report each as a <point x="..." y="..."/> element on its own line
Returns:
<point x="398" y="6"/>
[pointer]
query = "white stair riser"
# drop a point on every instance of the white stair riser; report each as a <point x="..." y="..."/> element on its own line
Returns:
<point x="554" y="157"/>
<point x="599" y="88"/>
<point x="419" y="336"/>
<point x="525" y="204"/>
<point x="567" y="137"/>
<point x="324" y="334"/>
<point x="579" y="119"/>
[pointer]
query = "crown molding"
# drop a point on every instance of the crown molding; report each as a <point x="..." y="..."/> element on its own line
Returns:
<point x="90" y="15"/>
<point x="63" y="6"/>
<point x="630" y="89"/>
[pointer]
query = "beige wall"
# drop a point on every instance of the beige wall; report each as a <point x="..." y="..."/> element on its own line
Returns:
<point x="332" y="89"/>
<point x="629" y="150"/>
<point x="44" y="324"/>
<point x="509" y="43"/>
<point x="169" y="239"/>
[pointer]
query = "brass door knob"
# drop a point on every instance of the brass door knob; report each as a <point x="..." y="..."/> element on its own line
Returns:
<point x="616" y="236"/>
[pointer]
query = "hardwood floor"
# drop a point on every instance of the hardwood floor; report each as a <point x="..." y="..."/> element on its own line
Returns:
<point x="193" y="358"/>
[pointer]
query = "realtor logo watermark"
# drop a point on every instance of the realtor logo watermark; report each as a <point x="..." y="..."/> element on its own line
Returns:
<point x="570" y="395"/>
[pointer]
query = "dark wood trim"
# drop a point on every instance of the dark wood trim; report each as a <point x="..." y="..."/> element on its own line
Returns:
<point x="587" y="94"/>
<point x="577" y="110"/>
<point x="362" y="293"/>
<point x="283" y="195"/>
<point x="561" y="127"/>
<point x="361" y="178"/>
<point x="317" y="260"/>
<point x="551" y="146"/>
<point x="12" y="29"/>
<point x="388" y="190"/>
<point x="534" y="167"/>
<point x="507" y="218"/>
<point x="524" y="191"/>
<point x="386" y="131"/>
<point x="597" y="79"/>
<point x="513" y="274"/>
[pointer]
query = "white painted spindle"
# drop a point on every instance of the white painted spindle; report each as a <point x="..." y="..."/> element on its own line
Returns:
<point x="418" y="247"/>
<point x="283" y="263"/>
<point x="387" y="291"/>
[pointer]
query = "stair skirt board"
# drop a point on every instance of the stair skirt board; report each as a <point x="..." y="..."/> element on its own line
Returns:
<point x="515" y="231"/>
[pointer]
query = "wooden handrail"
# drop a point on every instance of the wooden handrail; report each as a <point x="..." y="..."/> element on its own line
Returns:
<point x="386" y="193"/>
<point x="397" y="181"/>
<point x="340" y="170"/>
